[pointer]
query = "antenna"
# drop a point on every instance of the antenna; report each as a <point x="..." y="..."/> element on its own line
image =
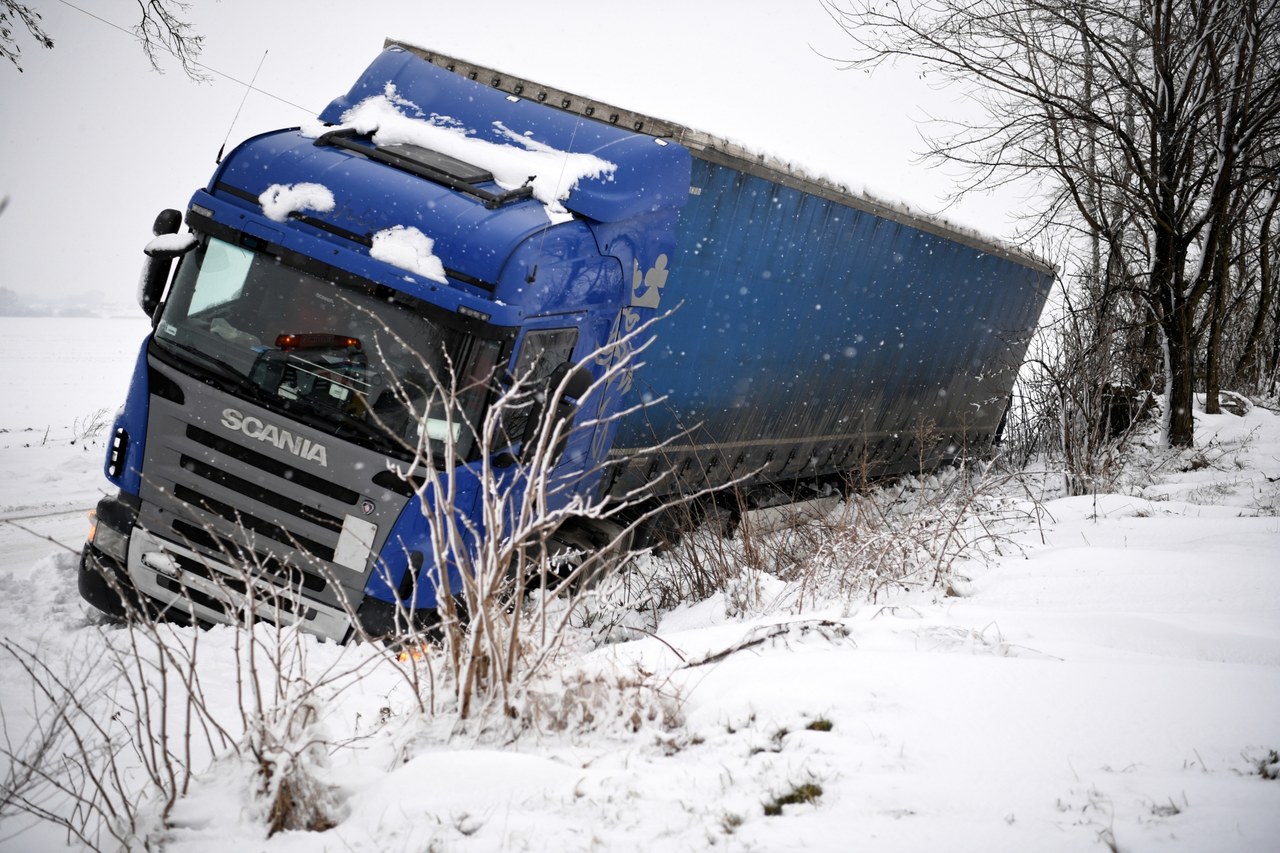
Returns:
<point x="247" y="89"/>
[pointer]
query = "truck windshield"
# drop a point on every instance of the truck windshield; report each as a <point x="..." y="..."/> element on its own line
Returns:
<point x="355" y="359"/>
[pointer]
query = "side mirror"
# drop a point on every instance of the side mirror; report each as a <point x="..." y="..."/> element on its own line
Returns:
<point x="577" y="383"/>
<point x="161" y="251"/>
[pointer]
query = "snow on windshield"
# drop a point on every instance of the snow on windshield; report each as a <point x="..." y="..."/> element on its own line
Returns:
<point x="409" y="249"/>
<point x="554" y="173"/>
<point x="279" y="200"/>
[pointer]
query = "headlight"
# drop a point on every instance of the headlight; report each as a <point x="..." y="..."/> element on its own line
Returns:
<point x="109" y="541"/>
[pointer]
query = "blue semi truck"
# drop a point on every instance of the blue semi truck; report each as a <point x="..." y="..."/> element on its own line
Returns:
<point x="443" y="217"/>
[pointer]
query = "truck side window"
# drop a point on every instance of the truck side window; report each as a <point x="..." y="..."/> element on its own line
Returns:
<point x="541" y="353"/>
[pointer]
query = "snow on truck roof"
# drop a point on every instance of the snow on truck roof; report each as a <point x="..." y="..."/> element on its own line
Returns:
<point x="700" y="144"/>
<point x="602" y="171"/>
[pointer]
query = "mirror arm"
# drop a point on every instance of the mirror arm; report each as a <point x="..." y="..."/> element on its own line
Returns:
<point x="572" y="389"/>
<point x="160" y="256"/>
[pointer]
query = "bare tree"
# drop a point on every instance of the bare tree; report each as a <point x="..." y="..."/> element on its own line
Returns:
<point x="1150" y="122"/>
<point x="161" y="29"/>
<point x="1259" y="270"/>
<point x="14" y="15"/>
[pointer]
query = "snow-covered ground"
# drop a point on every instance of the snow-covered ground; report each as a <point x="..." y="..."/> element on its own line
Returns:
<point x="1111" y="682"/>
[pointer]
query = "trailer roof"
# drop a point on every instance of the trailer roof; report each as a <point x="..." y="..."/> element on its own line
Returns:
<point x="714" y="149"/>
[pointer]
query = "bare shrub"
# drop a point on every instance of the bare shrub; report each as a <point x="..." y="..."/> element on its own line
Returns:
<point x="714" y="553"/>
<point x="118" y="739"/>
<point x="606" y="697"/>
<point x="907" y="535"/>
<point x="70" y="769"/>
<point x="289" y="746"/>
<point x="90" y="426"/>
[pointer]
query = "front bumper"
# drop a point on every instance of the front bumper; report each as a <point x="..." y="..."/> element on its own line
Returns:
<point x="165" y="580"/>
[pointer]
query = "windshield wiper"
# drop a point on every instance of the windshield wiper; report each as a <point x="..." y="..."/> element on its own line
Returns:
<point x="212" y="366"/>
<point x="370" y="431"/>
<point x="327" y="419"/>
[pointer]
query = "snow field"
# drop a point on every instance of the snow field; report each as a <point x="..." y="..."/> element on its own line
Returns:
<point x="1111" y="680"/>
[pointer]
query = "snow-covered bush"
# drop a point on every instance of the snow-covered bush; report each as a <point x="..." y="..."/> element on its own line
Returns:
<point x="145" y="710"/>
<point x="908" y="534"/>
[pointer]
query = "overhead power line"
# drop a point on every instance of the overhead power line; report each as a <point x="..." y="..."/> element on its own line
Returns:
<point x="249" y="85"/>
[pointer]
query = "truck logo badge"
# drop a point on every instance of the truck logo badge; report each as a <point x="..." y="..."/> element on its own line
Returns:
<point x="255" y="428"/>
<point x="646" y="290"/>
<point x="367" y="507"/>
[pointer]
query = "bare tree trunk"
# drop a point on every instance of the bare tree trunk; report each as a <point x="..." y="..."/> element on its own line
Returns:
<point x="1177" y="323"/>
<point x="1217" y="310"/>
<point x="1271" y="381"/>
<point x="1180" y="388"/>
<point x="1252" y="353"/>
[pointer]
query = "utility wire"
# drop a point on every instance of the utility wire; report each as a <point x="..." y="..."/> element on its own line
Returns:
<point x="249" y="85"/>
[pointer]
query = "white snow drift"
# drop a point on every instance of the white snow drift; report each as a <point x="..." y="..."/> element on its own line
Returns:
<point x="552" y="173"/>
<point x="279" y="200"/>
<point x="409" y="249"/>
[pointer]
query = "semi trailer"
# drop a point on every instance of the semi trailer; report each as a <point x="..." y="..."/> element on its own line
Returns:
<point x="445" y="219"/>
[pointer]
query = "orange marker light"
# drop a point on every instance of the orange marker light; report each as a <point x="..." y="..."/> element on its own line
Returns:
<point x="415" y="653"/>
<point x="316" y="340"/>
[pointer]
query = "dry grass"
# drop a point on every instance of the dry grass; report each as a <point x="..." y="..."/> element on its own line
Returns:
<point x="907" y="536"/>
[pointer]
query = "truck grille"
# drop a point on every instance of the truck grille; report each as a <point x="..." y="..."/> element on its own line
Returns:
<point x="242" y="515"/>
<point x="251" y="523"/>
<point x="262" y="462"/>
<point x="261" y="494"/>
